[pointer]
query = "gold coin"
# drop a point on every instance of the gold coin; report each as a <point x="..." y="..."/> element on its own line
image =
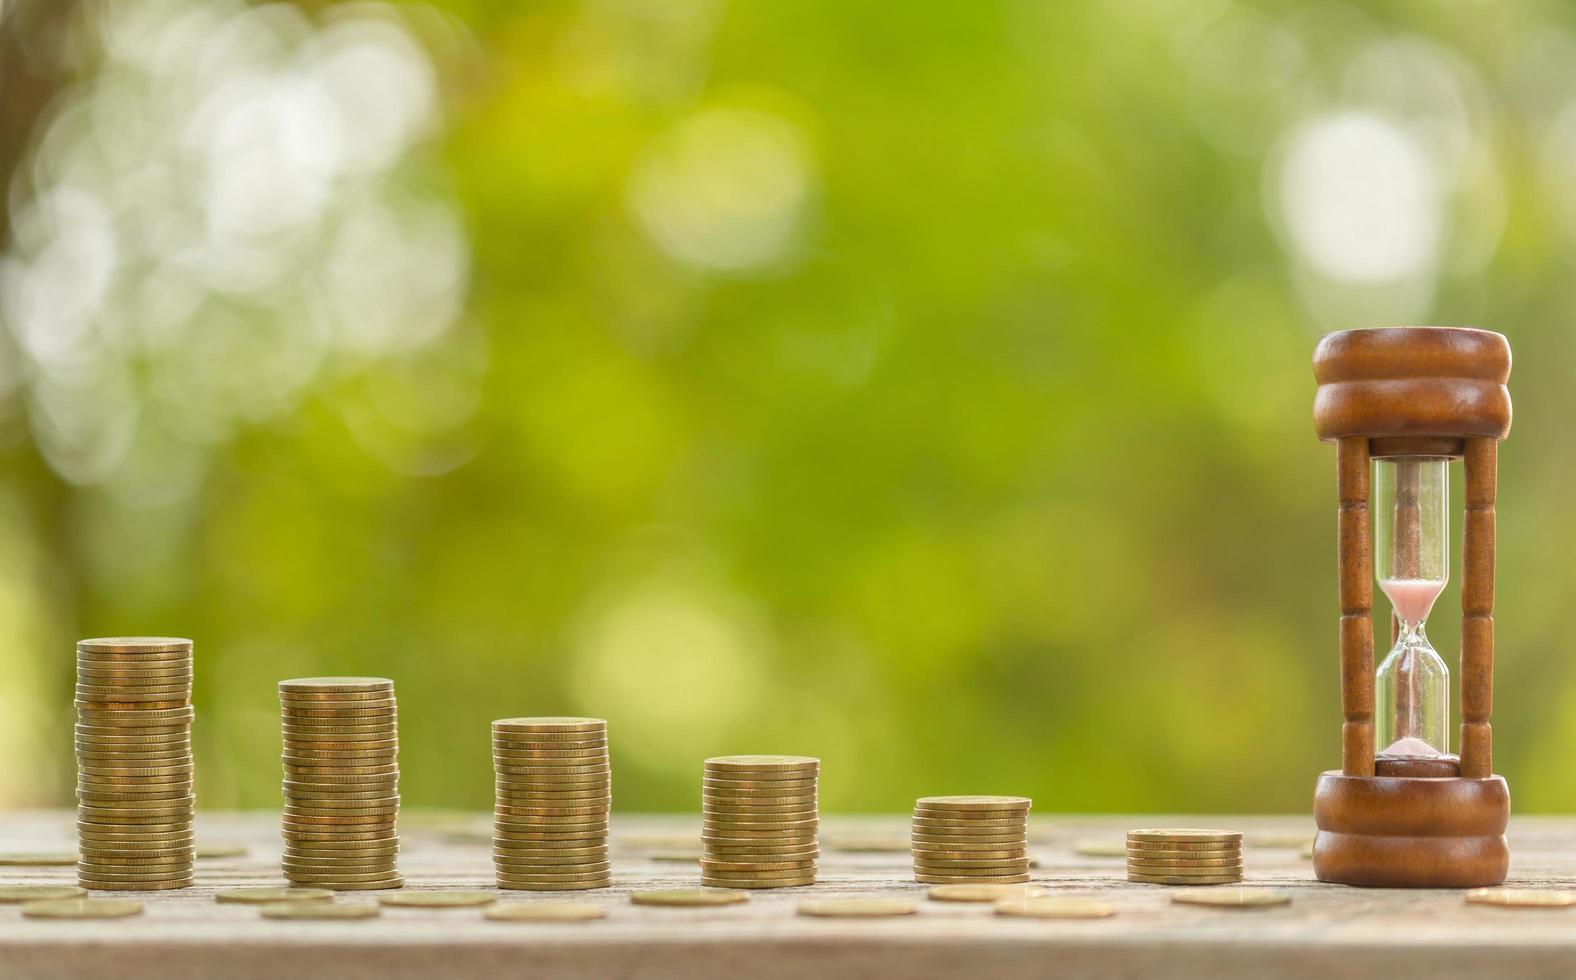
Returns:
<point x="320" y="910"/>
<point x="776" y="854"/>
<point x="40" y="859"/>
<point x="797" y="792"/>
<point x="126" y="882"/>
<point x="983" y="893"/>
<point x="355" y="713"/>
<point x="523" y="861"/>
<point x="339" y="734"/>
<point x="307" y="698"/>
<point x="510" y="837"/>
<point x="537" y="725"/>
<point x="98" y="834"/>
<point x="716" y="821"/>
<point x="933" y="827"/>
<point x="550" y="739"/>
<point x="1193" y="854"/>
<point x="563" y="886"/>
<point x="332" y="685"/>
<point x="141" y="886"/>
<point x="385" y="884"/>
<point x="1171" y="879"/>
<point x="947" y="853"/>
<point x="712" y="880"/>
<point x="857" y="908"/>
<point x="377" y="845"/>
<point x="1184" y="870"/>
<point x="1183" y="847"/>
<point x="776" y="787"/>
<point x="554" y="812"/>
<point x="135" y="644"/>
<point x="337" y="879"/>
<point x="689" y="897"/>
<point x="1055" y="908"/>
<point x="763" y="763"/>
<point x="13" y="894"/>
<point x="1233" y="897"/>
<point x="709" y="864"/>
<point x="263" y="896"/>
<point x="549" y="850"/>
<point x="321" y="812"/>
<point x="133" y="717"/>
<point x="758" y="873"/>
<point x="165" y="857"/>
<point x="1019" y="843"/>
<point x="544" y="912"/>
<point x="1185" y="835"/>
<point x="872" y="844"/>
<point x="1522" y="898"/>
<point x="81" y="908"/>
<point x="550" y="757"/>
<point x="438" y="899"/>
<point x="566" y="872"/>
<point x="789" y="811"/>
<point x="349" y="864"/>
<point x="928" y="878"/>
<point x="1019" y="804"/>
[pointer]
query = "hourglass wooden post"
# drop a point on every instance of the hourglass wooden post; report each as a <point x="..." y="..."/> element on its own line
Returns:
<point x="1412" y="396"/>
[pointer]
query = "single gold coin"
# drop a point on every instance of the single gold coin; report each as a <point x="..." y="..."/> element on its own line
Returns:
<point x="689" y="897"/>
<point x="320" y="910"/>
<point x="361" y="886"/>
<point x="857" y="908"/>
<point x="974" y="803"/>
<point x="1185" y="863"/>
<point x="13" y="894"/>
<point x="763" y="763"/>
<point x="1187" y="854"/>
<point x="335" y="684"/>
<point x="144" y="886"/>
<point x="1184" y="847"/>
<point x="1172" y="879"/>
<point x="81" y="908"/>
<point x="1522" y="898"/>
<point x="40" y="859"/>
<point x="438" y="899"/>
<point x="1184" y="835"/>
<point x="714" y="881"/>
<point x="562" y="886"/>
<point x="265" y="896"/>
<point x="927" y="878"/>
<point x="984" y="893"/>
<point x="135" y="644"/>
<point x="534" y="725"/>
<point x="1055" y="908"/>
<point x="545" y="912"/>
<point x="1168" y="868"/>
<point x="1233" y="897"/>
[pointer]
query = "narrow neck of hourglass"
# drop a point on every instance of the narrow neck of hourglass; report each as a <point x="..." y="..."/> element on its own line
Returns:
<point x="1412" y="599"/>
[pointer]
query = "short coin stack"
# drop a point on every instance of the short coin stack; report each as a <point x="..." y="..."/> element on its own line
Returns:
<point x="341" y="786"/>
<point x="553" y="794"/>
<point x="761" y="816"/>
<point x="959" y="839"/>
<point x="134" y="763"/>
<point x="1184" y="857"/>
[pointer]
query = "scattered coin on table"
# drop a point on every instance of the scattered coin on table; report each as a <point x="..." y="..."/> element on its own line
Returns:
<point x="12" y="894"/>
<point x="320" y="910"/>
<point x="1055" y="908"/>
<point x="41" y="859"/>
<point x="266" y="896"/>
<point x="545" y="912"/>
<point x="1228" y="898"/>
<point x="983" y="893"/>
<point x="689" y="897"/>
<point x="856" y="908"/>
<point x="438" y="899"/>
<point x="81" y="908"/>
<point x="1522" y="898"/>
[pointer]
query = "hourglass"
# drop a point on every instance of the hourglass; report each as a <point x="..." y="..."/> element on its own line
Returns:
<point x="1400" y="404"/>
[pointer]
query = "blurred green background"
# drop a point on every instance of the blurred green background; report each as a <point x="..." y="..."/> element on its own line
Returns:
<point x="924" y="387"/>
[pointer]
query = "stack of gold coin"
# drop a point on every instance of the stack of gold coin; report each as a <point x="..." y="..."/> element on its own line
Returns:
<point x="134" y="763"/>
<point x="341" y="762"/>
<point x="553" y="794"/>
<point x="960" y="839"/>
<point x="1184" y="857"/>
<point x="760" y="819"/>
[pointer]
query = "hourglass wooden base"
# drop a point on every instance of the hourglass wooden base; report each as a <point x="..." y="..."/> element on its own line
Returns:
<point x="1411" y="832"/>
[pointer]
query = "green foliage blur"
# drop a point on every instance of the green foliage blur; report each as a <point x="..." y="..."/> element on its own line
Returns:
<point x="924" y="387"/>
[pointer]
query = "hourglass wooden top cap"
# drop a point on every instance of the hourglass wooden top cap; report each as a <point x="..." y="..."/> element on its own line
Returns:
<point x="1412" y="381"/>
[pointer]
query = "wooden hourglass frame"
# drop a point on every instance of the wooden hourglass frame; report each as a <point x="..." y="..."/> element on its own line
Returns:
<point x="1413" y="392"/>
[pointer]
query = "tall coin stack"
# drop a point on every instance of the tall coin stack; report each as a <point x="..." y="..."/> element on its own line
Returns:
<point x="760" y="819"/>
<point x="341" y="786"/>
<point x="134" y="763"/>
<point x="971" y="839"/>
<point x="1184" y="857"/>
<point x="552" y="799"/>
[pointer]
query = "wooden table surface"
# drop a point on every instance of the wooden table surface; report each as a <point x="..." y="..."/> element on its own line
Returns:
<point x="1328" y="931"/>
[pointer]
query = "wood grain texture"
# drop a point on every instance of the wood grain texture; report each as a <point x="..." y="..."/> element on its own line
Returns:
<point x="1477" y="607"/>
<point x="1329" y="931"/>
<point x="1356" y="587"/>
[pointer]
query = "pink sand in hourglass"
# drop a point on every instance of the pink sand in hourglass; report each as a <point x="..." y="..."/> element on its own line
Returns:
<point x="1411" y="597"/>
